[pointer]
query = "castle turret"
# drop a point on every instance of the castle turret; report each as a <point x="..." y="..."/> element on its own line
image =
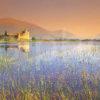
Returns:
<point x="24" y="35"/>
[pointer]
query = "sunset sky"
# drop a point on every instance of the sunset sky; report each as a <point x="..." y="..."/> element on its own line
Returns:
<point x="81" y="17"/>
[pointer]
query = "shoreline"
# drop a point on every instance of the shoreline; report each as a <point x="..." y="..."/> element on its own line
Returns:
<point x="70" y="40"/>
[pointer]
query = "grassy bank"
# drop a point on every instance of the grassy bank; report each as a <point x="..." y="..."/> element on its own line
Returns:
<point x="12" y="40"/>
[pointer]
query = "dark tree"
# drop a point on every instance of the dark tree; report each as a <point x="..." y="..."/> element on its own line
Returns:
<point x="5" y="34"/>
<point x="33" y="38"/>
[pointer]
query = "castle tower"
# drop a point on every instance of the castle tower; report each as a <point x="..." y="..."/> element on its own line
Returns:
<point x="24" y="35"/>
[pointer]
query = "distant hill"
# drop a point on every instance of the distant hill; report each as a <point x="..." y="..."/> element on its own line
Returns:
<point x="61" y="34"/>
<point x="98" y="36"/>
<point x="14" y="26"/>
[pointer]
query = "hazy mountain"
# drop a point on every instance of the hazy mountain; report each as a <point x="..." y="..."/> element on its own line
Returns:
<point x="98" y="36"/>
<point x="14" y="26"/>
<point x="61" y="34"/>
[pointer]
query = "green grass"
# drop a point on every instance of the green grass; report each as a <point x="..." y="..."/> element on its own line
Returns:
<point x="8" y="40"/>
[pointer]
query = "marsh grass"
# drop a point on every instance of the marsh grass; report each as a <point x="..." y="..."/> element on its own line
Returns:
<point x="39" y="83"/>
<point x="42" y="87"/>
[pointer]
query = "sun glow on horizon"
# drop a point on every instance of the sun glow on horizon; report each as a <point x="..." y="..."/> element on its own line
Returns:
<point x="80" y="17"/>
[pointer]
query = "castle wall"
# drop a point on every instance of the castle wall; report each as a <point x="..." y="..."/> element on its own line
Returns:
<point x="24" y="36"/>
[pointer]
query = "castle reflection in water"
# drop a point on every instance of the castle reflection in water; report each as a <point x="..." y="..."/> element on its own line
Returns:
<point x="23" y="46"/>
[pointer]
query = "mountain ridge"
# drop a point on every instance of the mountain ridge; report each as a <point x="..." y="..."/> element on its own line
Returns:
<point x="12" y="25"/>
